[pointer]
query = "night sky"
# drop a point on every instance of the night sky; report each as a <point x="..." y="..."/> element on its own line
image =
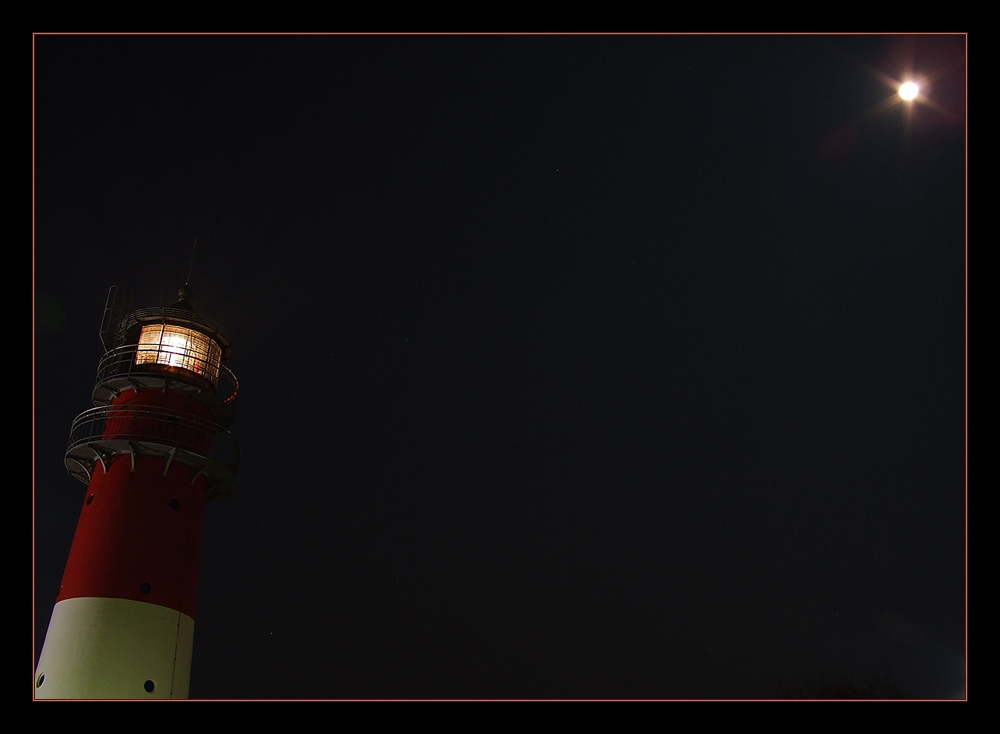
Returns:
<point x="583" y="366"/>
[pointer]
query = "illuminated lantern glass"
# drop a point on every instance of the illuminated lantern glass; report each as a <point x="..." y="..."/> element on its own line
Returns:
<point x="175" y="346"/>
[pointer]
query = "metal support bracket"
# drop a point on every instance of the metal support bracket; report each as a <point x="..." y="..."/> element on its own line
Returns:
<point x="198" y="474"/>
<point x="131" y="451"/>
<point x="170" y="458"/>
<point x="100" y="458"/>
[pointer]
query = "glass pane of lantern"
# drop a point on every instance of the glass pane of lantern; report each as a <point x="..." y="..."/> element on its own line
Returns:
<point x="175" y="346"/>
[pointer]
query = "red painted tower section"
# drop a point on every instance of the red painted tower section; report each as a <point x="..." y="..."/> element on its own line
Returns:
<point x="152" y="452"/>
<point x="139" y="533"/>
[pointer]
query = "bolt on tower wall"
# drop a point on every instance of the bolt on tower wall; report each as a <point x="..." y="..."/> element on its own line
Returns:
<point x="153" y="450"/>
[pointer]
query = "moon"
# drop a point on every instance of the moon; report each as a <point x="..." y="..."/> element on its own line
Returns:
<point x="908" y="91"/>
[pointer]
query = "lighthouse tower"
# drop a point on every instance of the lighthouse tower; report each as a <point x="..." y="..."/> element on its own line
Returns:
<point x="154" y="449"/>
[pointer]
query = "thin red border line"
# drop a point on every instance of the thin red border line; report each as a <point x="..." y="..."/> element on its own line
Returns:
<point x="34" y="539"/>
<point x="496" y="33"/>
<point x="966" y="396"/>
<point x="511" y="33"/>
<point x="519" y="700"/>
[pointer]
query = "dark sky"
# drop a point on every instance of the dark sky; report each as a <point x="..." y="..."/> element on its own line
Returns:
<point x="569" y="366"/>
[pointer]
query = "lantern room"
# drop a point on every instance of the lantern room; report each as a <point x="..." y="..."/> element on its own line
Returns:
<point x="181" y="348"/>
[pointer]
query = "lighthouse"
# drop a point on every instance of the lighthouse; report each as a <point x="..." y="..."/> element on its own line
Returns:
<point x="153" y="450"/>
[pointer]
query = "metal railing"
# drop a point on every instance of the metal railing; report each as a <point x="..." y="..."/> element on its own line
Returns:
<point x="118" y="429"/>
<point x="118" y="304"/>
<point x="120" y="362"/>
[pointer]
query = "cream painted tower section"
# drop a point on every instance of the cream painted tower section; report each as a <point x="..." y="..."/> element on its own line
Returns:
<point x="115" y="648"/>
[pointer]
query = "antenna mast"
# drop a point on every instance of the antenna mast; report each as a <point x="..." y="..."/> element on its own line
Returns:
<point x="191" y="266"/>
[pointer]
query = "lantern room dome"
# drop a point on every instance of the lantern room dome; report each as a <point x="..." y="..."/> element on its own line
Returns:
<point x="184" y="296"/>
